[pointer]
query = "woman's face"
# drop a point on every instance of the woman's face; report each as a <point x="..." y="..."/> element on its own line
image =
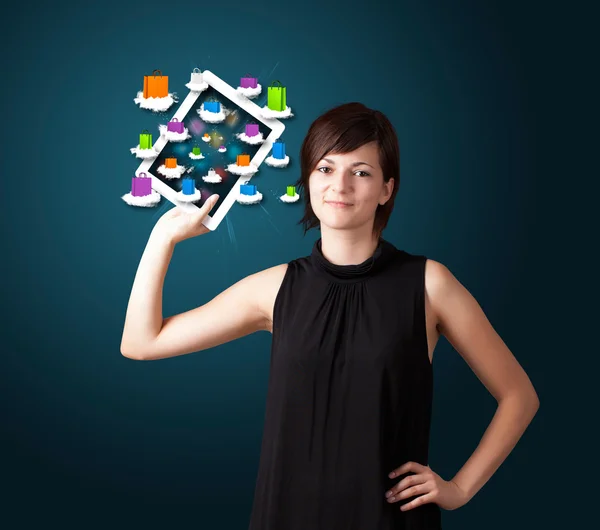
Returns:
<point x="355" y="179"/>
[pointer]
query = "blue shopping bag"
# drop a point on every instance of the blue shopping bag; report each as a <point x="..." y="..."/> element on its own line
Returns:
<point x="212" y="106"/>
<point x="279" y="150"/>
<point x="247" y="189"/>
<point x="189" y="186"/>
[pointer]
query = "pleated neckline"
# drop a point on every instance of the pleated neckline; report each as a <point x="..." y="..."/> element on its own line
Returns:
<point x="352" y="273"/>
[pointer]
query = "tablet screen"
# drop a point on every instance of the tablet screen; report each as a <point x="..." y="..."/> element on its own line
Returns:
<point x="218" y="146"/>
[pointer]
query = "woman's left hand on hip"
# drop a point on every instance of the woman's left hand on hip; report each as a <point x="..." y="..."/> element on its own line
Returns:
<point x="427" y="485"/>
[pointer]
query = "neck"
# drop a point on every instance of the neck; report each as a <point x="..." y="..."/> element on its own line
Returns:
<point x="342" y="247"/>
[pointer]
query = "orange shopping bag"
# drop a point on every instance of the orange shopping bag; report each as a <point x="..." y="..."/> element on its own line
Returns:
<point x="243" y="160"/>
<point x="156" y="85"/>
<point x="171" y="162"/>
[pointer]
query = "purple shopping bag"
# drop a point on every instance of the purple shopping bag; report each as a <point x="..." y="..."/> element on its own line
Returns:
<point x="248" y="82"/>
<point x="251" y="129"/>
<point x="175" y="126"/>
<point x="141" y="185"/>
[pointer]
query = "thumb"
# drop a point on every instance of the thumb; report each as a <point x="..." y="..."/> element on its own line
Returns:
<point x="212" y="200"/>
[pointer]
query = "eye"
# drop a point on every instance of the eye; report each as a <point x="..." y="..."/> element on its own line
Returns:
<point x="323" y="167"/>
<point x="364" y="174"/>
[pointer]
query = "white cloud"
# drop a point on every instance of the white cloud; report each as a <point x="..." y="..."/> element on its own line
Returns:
<point x="268" y="113"/>
<point x="197" y="87"/>
<point x="250" y="93"/>
<point x="277" y="162"/>
<point x="174" y="136"/>
<point x="252" y="140"/>
<point x="249" y="199"/>
<point x="205" y="139"/>
<point x="213" y="117"/>
<point x="146" y="201"/>
<point x="155" y="104"/>
<point x="288" y="198"/>
<point x="189" y="198"/>
<point x="241" y="170"/>
<point x="144" y="153"/>
<point x="196" y="157"/>
<point x="222" y="149"/>
<point x="216" y="179"/>
<point x="171" y="172"/>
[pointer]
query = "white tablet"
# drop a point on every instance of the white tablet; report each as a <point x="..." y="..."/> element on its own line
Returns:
<point x="211" y="170"/>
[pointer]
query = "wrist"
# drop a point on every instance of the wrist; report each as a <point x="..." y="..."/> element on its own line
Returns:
<point x="162" y="238"/>
<point x="467" y="493"/>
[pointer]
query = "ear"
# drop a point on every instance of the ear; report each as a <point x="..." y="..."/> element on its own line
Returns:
<point x="389" y="188"/>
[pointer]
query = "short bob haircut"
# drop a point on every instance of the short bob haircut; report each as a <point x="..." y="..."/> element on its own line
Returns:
<point x="342" y="130"/>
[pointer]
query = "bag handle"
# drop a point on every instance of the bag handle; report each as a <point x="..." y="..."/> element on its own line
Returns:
<point x="277" y="81"/>
<point x="249" y="75"/>
<point x="211" y="168"/>
<point x="145" y="131"/>
<point x="198" y="72"/>
<point x="175" y="120"/>
<point x="159" y="72"/>
<point x="139" y="175"/>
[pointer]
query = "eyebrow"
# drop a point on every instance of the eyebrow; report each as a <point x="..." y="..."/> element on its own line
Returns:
<point x="353" y="165"/>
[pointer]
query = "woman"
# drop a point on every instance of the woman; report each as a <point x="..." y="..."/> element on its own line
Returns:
<point x="354" y="326"/>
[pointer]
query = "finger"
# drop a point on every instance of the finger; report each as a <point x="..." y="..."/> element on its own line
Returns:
<point x="423" y="499"/>
<point x="406" y="467"/>
<point x="198" y="216"/>
<point x="210" y="202"/>
<point x="406" y="484"/>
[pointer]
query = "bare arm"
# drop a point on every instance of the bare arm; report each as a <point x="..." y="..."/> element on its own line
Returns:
<point x="464" y="324"/>
<point x="234" y="313"/>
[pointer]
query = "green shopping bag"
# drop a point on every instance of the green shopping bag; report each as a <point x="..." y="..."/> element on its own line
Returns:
<point x="276" y="97"/>
<point x="196" y="150"/>
<point x="145" y="140"/>
<point x="291" y="191"/>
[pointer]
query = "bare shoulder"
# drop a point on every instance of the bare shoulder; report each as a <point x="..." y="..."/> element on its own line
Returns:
<point x="439" y="284"/>
<point x="436" y="276"/>
<point x="268" y="282"/>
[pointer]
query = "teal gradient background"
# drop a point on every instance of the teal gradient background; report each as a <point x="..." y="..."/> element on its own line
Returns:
<point x="480" y="94"/>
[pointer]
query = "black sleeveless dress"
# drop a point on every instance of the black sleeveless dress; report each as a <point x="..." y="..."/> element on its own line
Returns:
<point x="349" y="396"/>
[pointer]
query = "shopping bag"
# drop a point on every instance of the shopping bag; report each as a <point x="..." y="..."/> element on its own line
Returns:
<point x="248" y="81"/>
<point x="145" y="139"/>
<point x="175" y="126"/>
<point x="141" y="185"/>
<point x="251" y="129"/>
<point x="279" y="150"/>
<point x="196" y="150"/>
<point x="212" y="106"/>
<point x="212" y="172"/>
<point x="196" y="78"/>
<point x="291" y="191"/>
<point x="247" y="189"/>
<point x="243" y="160"/>
<point x="189" y="186"/>
<point x="171" y="162"/>
<point x="276" y="97"/>
<point x="156" y="85"/>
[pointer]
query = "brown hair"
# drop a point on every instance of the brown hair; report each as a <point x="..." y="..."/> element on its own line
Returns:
<point x="342" y="130"/>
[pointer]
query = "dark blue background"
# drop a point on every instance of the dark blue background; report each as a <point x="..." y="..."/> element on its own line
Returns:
<point x="490" y="101"/>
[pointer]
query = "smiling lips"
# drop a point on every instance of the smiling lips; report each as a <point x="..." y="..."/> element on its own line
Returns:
<point x="336" y="204"/>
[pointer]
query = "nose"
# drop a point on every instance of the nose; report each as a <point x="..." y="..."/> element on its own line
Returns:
<point x="341" y="180"/>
